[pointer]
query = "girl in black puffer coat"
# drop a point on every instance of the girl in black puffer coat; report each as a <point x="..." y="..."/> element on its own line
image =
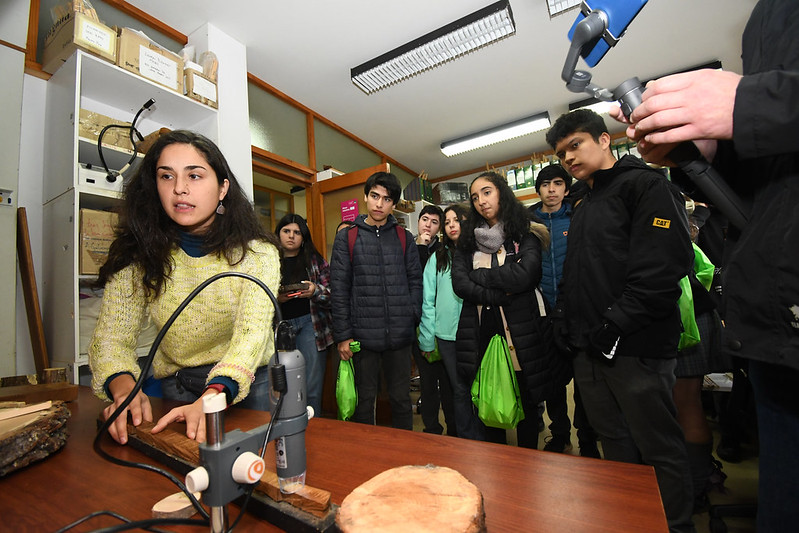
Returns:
<point x="496" y="269"/>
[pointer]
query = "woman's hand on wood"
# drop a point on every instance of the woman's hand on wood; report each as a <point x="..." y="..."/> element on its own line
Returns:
<point x="139" y="407"/>
<point x="191" y="414"/>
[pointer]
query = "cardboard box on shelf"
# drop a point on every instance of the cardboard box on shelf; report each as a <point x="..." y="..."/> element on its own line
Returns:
<point x="96" y="235"/>
<point x="90" y="124"/>
<point x="137" y="53"/>
<point x="74" y="31"/>
<point x="200" y="87"/>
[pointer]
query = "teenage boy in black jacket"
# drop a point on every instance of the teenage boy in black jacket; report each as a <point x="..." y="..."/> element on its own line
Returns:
<point x="628" y="248"/>
<point x="376" y="294"/>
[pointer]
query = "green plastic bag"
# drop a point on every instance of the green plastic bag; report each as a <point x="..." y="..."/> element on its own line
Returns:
<point x="690" y="331"/>
<point x="495" y="391"/>
<point x="703" y="268"/>
<point x="346" y="395"/>
<point x="430" y="357"/>
<point x="704" y="271"/>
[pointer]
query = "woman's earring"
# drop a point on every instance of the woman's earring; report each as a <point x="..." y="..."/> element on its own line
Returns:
<point x="220" y="209"/>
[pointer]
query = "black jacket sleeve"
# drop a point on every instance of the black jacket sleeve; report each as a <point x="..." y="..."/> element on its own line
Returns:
<point x="413" y="267"/>
<point x="520" y="273"/>
<point x="660" y="254"/>
<point x="468" y="289"/>
<point x="341" y="287"/>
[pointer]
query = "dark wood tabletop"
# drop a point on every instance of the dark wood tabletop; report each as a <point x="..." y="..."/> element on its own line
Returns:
<point x="523" y="490"/>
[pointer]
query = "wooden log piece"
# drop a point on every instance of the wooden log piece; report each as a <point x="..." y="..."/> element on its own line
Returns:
<point x="414" y="498"/>
<point x="176" y="505"/>
<point x="309" y="499"/>
<point x="32" y="437"/>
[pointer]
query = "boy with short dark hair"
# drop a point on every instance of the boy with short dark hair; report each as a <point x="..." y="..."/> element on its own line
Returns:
<point x="552" y="185"/>
<point x="376" y="294"/>
<point x="629" y="247"/>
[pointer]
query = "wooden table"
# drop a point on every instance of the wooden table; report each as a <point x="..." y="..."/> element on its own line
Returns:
<point x="524" y="490"/>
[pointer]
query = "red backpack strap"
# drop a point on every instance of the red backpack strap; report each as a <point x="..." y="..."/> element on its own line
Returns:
<point x="402" y="235"/>
<point x="352" y="234"/>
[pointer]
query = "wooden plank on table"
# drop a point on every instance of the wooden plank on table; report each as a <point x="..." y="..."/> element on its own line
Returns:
<point x="6" y="414"/>
<point x="39" y="393"/>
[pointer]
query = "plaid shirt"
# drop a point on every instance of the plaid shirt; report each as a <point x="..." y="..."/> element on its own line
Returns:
<point x="320" y="303"/>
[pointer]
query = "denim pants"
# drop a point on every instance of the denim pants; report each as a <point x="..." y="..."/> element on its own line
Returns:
<point x="777" y="402"/>
<point x="396" y="365"/>
<point x="257" y="399"/>
<point x="315" y="361"/>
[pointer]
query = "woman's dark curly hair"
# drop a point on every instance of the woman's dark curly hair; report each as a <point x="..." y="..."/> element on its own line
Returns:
<point x="146" y="236"/>
<point x="447" y="249"/>
<point x="516" y="219"/>
<point x="308" y="251"/>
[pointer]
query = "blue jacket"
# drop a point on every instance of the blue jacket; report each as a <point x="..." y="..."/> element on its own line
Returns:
<point x="552" y="259"/>
<point x="377" y="297"/>
<point x="441" y="307"/>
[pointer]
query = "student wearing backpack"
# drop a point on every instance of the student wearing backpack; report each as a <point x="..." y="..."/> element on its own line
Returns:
<point x="376" y="292"/>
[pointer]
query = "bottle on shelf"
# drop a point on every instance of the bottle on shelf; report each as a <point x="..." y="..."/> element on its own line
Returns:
<point x="510" y="175"/>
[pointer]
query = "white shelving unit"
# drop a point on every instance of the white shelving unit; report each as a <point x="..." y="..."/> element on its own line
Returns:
<point x="87" y="82"/>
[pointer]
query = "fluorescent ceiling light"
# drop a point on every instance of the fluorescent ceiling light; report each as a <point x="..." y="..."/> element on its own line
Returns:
<point x="465" y="35"/>
<point x="556" y="7"/>
<point x="505" y="132"/>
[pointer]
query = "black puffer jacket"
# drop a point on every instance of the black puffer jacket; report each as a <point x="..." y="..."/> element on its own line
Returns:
<point x="512" y="287"/>
<point x="628" y="249"/>
<point x="376" y="297"/>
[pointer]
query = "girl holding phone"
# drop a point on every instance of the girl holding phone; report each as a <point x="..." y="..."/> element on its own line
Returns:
<point x="304" y="300"/>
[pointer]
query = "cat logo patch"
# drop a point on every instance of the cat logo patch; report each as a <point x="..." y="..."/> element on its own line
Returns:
<point x="661" y="223"/>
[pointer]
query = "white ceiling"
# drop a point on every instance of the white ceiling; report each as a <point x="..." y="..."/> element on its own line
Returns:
<point x="306" y="48"/>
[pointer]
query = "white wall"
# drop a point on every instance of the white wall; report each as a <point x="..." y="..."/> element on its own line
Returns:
<point x="31" y="164"/>
<point x="234" y="112"/>
<point x="13" y="29"/>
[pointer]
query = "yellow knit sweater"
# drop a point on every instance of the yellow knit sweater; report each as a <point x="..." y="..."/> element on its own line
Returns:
<point x="228" y="323"/>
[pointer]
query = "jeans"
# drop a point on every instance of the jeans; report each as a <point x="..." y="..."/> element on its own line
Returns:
<point x="630" y="406"/>
<point x="396" y="365"/>
<point x="257" y="399"/>
<point x="777" y="401"/>
<point x="315" y="361"/>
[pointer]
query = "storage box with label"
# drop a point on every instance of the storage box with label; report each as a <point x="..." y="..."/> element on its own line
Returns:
<point x="73" y="31"/>
<point x="199" y="87"/>
<point x="91" y="124"/>
<point x="96" y="235"/>
<point x="137" y="53"/>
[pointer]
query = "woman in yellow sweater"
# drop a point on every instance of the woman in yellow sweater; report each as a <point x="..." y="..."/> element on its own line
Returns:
<point x="184" y="219"/>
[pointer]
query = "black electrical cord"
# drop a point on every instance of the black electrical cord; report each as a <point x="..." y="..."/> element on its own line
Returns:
<point x="145" y="370"/>
<point x="146" y="524"/>
<point x="132" y="129"/>
<point x="103" y="513"/>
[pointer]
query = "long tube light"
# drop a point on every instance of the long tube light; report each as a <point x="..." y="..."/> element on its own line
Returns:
<point x="465" y="35"/>
<point x="511" y="130"/>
